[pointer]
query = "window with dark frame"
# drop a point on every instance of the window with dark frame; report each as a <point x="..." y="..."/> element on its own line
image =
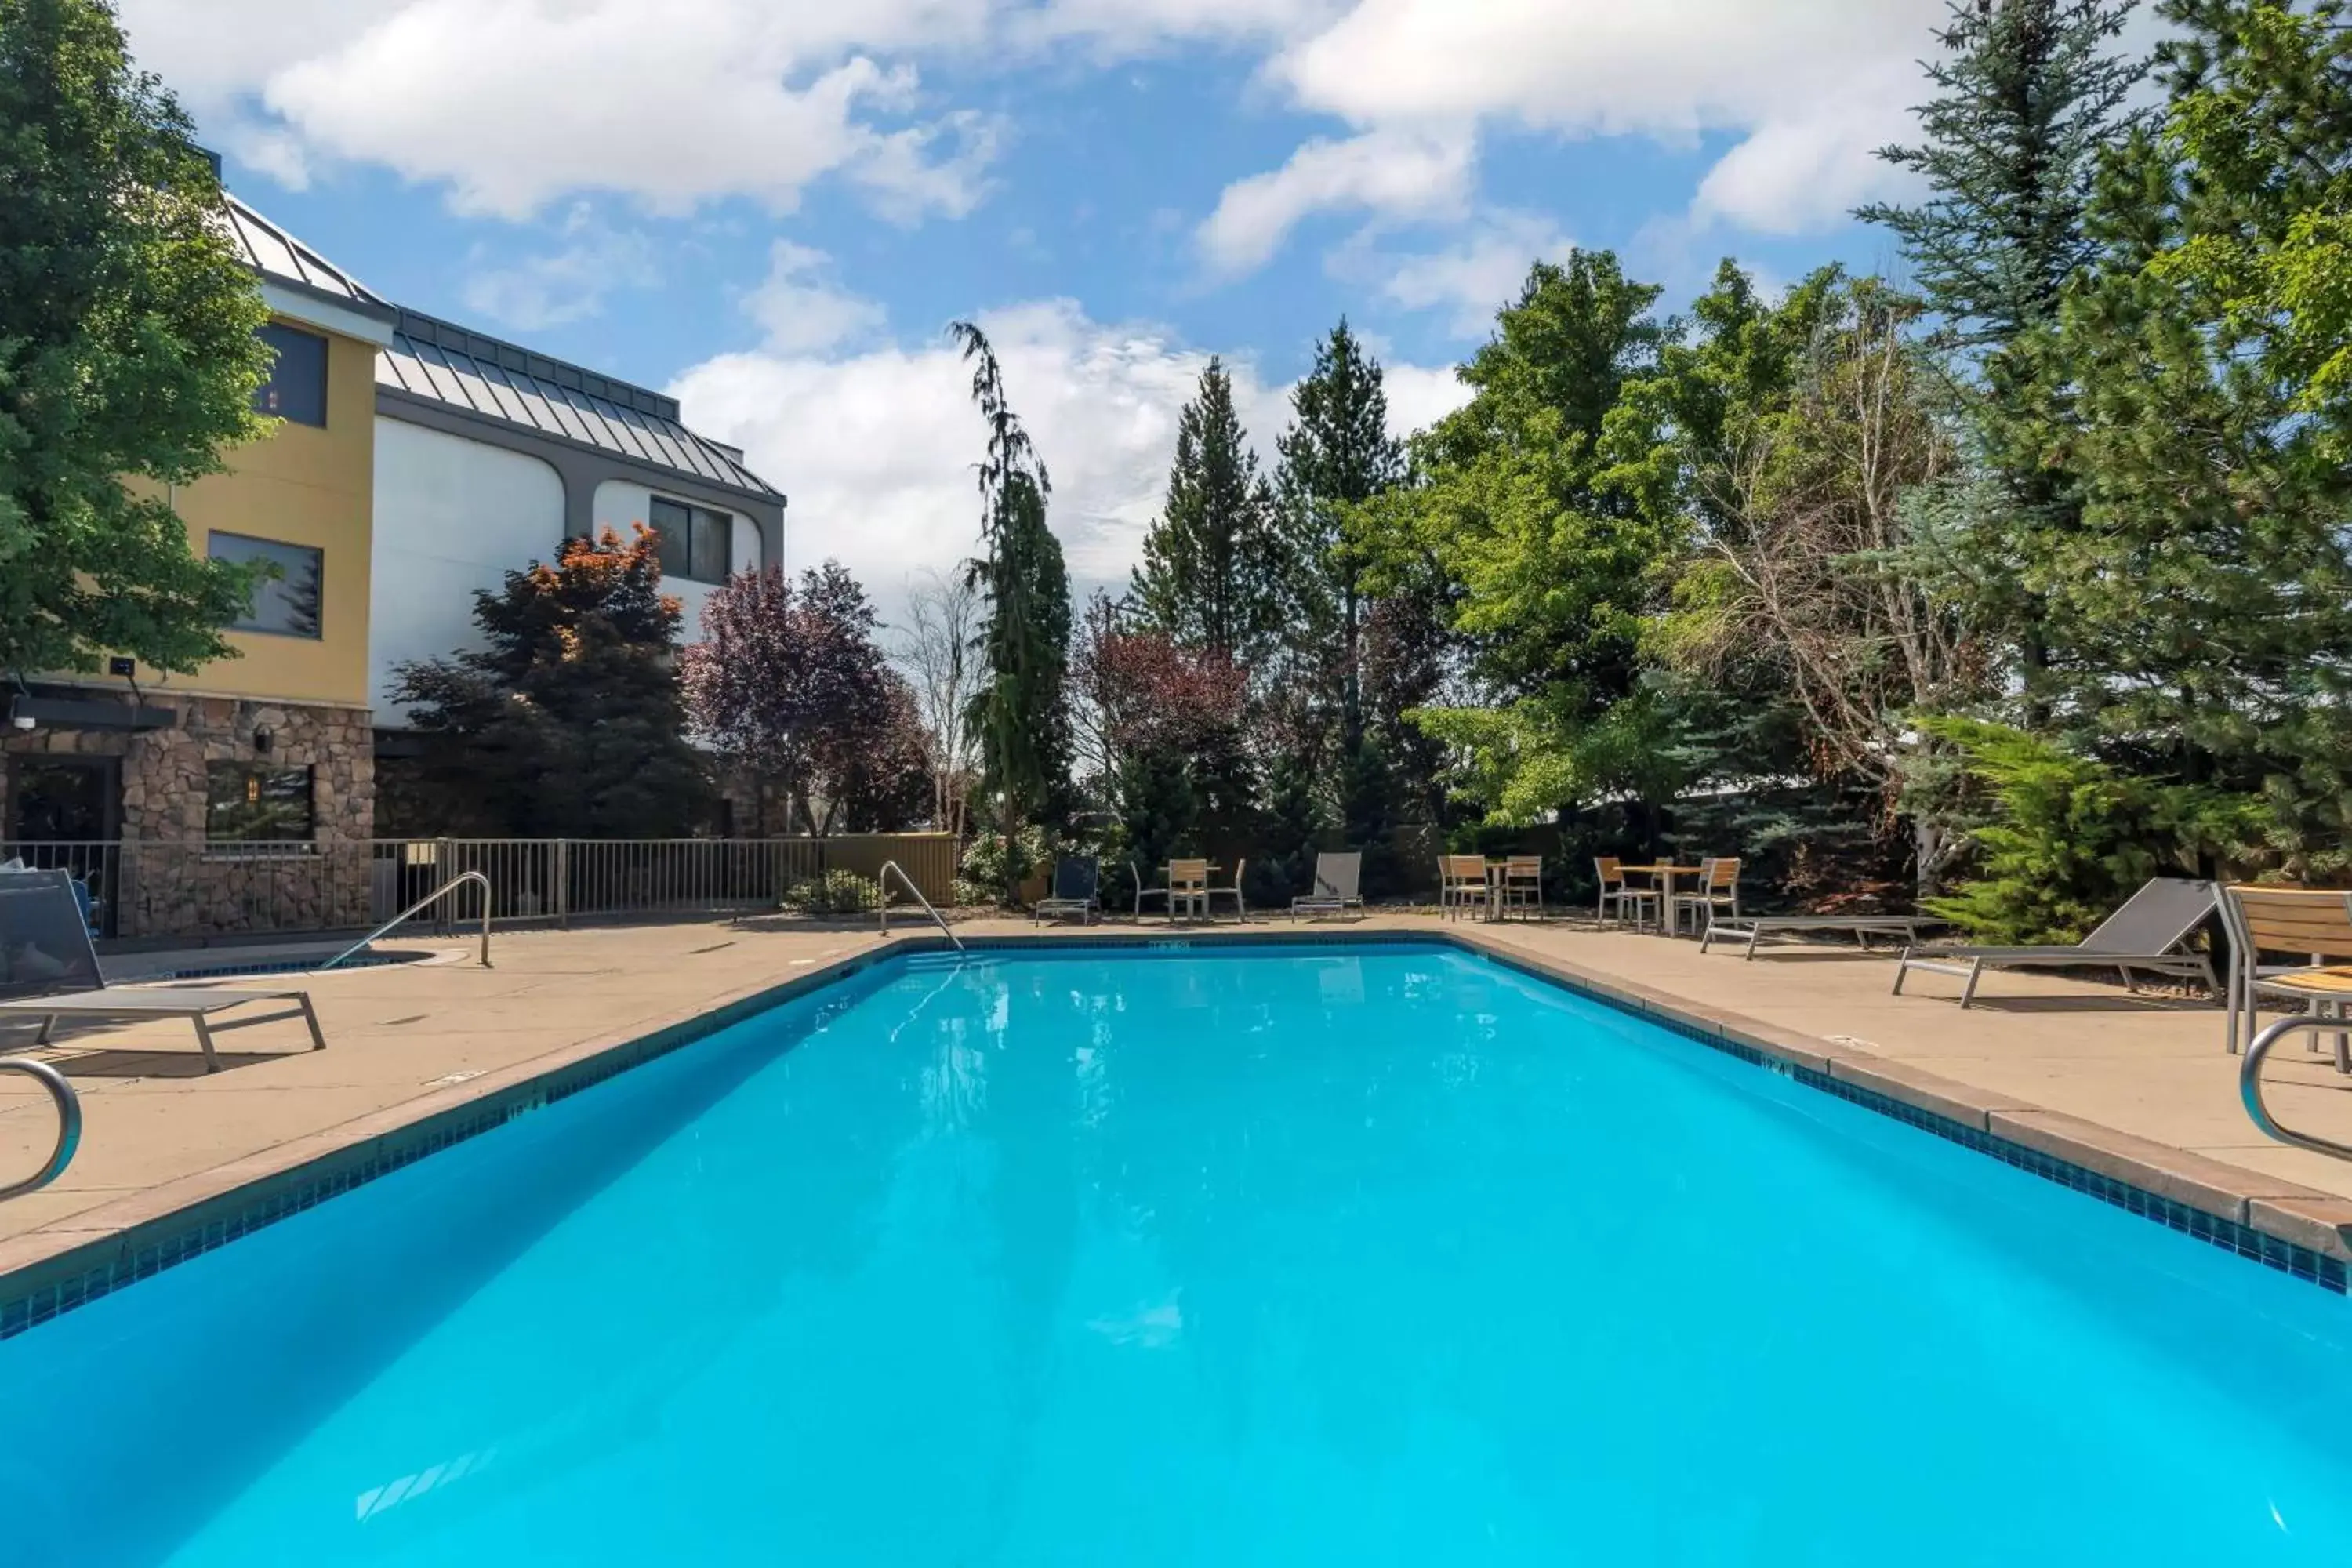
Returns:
<point x="285" y="603"/>
<point x="258" y="803"/>
<point x="297" y="387"/>
<point x="694" y="540"/>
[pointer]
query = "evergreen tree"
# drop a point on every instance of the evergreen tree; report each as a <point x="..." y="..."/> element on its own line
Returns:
<point x="569" y="721"/>
<point x="1216" y="567"/>
<point x="1020" y="712"/>
<point x="2029" y="93"/>
<point x="127" y="352"/>
<point x="1338" y="453"/>
<point x="2208" y="594"/>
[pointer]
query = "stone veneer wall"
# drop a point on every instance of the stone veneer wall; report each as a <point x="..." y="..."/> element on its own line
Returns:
<point x="167" y="881"/>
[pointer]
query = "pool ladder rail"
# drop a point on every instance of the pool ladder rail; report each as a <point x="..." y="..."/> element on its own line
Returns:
<point x="882" y="879"/>
<point x="463" y="878"/>
<point x="2250" y="1079"/>
<point x="68" y="1105"/>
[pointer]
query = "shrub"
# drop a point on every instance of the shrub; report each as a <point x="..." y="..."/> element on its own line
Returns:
<point x="836" y="892"/>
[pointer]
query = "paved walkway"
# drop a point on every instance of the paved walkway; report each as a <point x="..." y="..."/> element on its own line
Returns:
<point x="407" y="1041"/>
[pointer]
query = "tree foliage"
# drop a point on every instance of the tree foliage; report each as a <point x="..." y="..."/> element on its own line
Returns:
<point x="788" y="684"/>
<point x="128" y="354"/>
<point x="569" y="721"/>
<point x="1218" y="569"/>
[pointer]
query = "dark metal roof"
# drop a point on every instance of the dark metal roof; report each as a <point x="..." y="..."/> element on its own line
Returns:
<point x="278" y="255"/>
<point x="449" y="363"/>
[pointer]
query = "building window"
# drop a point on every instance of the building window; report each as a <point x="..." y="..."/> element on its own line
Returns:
<point x="286" y="602"/>
<point x="297" y="387"/>
<point x="694" y="539"/>
<point x="258" y="803"/>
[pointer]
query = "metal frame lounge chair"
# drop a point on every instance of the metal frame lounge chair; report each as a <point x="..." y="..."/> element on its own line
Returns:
<point x="1338" y="878"/>
<point x="1077" y="888"/>
<point x="1461" y="882"/>
<point x="1615" y="890"/>
<point x="1719" y="889"/>
<point x="2150" y="931"/>
<point x="1756" y="928"/>
<point x="48" y="968"/>
<point x="2314" y="922"/>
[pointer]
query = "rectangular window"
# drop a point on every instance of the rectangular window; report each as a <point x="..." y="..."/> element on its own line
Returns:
<point x="257" y="802"/>
<point x="694" y="539"/>
<point x="297" y="387"/>
<point x="285" y="603"/>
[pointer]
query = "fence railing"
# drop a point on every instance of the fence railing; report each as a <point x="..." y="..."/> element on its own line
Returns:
<point x="148" y="887"/>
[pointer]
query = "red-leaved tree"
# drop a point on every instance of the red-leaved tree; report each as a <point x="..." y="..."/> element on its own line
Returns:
<point x="1138" y="690"/>
<point x="788" y="684"/>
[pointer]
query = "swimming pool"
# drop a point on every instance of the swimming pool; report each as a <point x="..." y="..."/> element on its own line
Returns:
<point x="1378" y="1254"/>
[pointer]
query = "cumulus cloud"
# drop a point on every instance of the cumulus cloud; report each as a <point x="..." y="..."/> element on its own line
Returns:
<point x="1402" y="174"/>
<point x="569" y="284"/>
<point x="800" y="307"/>
<point x="1811" y="86"/>
<point x="875" y="449"/>
<point x="1470" y="279"/>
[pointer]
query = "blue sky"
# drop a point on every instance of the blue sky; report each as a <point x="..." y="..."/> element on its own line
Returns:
<point x="772" y="210"/>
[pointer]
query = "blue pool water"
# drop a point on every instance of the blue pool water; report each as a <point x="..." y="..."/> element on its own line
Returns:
<point x="1381" y="1255"/>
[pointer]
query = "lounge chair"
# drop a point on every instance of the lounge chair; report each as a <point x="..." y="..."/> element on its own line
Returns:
<point x="1209" y="896"/>
<point x="1077" y="891"/>
<point x="1753" y="929"/>
<point x="2314" y="924"/>
<point x="1461" y="882"/>
<point x="49" y="971"/>
<point x="2151" y="933"/>
<point x="1338" y="878"/>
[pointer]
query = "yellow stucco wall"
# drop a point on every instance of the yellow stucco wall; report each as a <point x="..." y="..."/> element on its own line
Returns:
<point x="301" y="485"/>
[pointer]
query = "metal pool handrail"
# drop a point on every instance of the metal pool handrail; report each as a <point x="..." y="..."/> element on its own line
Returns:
<point x="2250" y="1081"/>
<point x="882" y="879"/>
<point x="68" y="1123"/>
<point x="429" y="900"/>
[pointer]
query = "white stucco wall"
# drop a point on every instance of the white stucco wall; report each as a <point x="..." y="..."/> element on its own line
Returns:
<point x="451" y="516"/>
<point x="620" y="503"/>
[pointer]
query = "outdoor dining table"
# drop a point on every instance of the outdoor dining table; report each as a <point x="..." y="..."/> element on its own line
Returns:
<point x="1168" y="881"/>
<point x="1663" y="879"/>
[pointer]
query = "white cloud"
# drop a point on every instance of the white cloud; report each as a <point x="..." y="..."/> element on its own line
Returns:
<point x="798" y="308"/>
<point x="1401" y="174"/>
<point x="1811" y="86"/>
<point x="565" y="285"/>
<point x="1471" y="280"/>
<point x="875" y="449"/>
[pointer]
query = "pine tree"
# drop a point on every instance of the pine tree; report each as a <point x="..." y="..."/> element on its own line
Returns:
<point x="1020" y="713"/>
<point x="1215" y="565"/>
<point x="569" y="721"/>
<point x="1338" y="453"/>
<point x="127" y="352"/>
<point x="2029" y="93"/>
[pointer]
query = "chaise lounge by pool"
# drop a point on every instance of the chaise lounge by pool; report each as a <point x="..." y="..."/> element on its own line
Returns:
<point x="1196" y="1254"/>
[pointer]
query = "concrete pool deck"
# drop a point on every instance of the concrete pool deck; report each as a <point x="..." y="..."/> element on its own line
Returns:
<point x="2135" y="1089"/>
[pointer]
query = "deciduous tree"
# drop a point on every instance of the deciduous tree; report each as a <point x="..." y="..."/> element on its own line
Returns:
<point x="128" y="354"/>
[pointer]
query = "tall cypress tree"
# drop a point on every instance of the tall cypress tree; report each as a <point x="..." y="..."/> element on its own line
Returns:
<point x="1215" y="564"/>
<point x="2029" y="92"/>
<point x="1019" y="713"/>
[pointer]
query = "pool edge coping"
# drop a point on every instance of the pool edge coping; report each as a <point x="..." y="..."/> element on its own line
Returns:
<point x="82" y="1257"/>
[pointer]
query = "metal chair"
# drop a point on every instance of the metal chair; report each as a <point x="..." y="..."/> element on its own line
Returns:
<point x="1717" y="889"/>
<point x="1461" y="882"/>
<point x="1522" y="886"/>
<point x="1617" y="891"/>
<point x="1210" y="895"/>
<point x="1188" y="888"/>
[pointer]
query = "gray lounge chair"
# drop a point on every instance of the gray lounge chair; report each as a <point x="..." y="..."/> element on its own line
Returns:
<point x="2150" y="933"/>
<point x="1338" y="878"/>
<point x="49" y="971"/>
<point x="1077" y="891"/>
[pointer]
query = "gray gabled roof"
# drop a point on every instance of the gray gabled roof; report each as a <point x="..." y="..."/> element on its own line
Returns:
<point x="434" y="359"/>
<point x="279" y="257"/>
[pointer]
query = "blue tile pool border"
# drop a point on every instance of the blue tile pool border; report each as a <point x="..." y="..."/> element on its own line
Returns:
<point x="39" y="1291"/>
